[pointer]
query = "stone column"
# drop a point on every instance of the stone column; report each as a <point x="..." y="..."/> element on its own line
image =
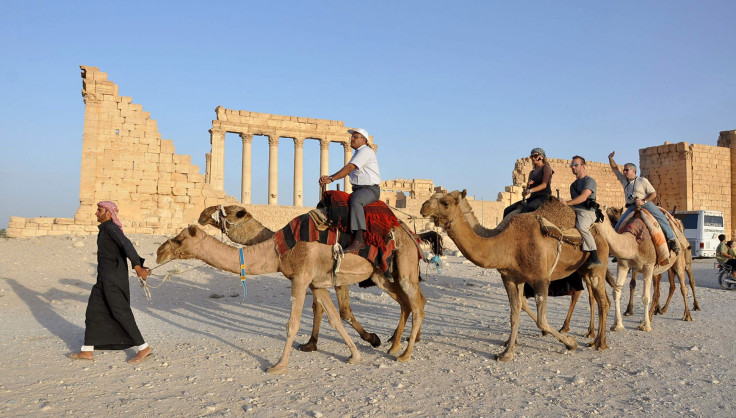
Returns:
<point x="217" y="163"/>
<point x="298" y="171"/>
<point x="208" y="167"/>
<point x="324" y="161"/>
<point x="245" y="185"/>
<point x="348" y="155"/>
<point x="273" y="169"/>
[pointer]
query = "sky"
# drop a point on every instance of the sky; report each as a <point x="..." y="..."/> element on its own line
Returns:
<point x="455" y="92"/>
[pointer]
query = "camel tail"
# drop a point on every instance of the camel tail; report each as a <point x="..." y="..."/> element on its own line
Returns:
<point x="434" y="239"/>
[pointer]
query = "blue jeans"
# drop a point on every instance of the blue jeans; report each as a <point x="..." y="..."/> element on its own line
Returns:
<point x="658" y="215"/>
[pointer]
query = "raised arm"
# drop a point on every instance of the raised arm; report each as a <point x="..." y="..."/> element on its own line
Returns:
<point x="613" y="164"/>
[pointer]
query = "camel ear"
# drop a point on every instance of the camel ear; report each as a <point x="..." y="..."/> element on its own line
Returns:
<point x="193" y="230"/>
<point x="464" y="193"/>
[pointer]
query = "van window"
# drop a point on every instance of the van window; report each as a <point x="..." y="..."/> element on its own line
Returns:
<point x="690" y="220"/>
<point x="712" y="220"/>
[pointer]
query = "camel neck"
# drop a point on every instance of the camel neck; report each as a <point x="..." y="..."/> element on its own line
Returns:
<point x="621" y="246"/>
<point x="485" y="252"/>
<point x="259" y="259"/>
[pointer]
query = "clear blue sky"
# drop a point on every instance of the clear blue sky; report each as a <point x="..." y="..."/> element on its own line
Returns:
<point x="451" y="91"/>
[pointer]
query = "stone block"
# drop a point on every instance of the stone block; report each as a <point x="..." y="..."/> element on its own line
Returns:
<point x="167" y="146"/>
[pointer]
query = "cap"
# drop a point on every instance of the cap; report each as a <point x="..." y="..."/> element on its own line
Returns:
<point x="538" y="151"/>
<point x="360" y="131"/>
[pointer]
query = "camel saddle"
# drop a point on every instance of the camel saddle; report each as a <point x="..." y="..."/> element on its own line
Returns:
<point x="569" y="236"/>
<point x="644" y="226"/>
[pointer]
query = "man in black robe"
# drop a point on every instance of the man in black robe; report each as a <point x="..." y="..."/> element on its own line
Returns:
<point x="109" y="322"/>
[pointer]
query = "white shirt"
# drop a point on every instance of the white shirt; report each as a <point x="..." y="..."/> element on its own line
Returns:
<point x="366" y="173"/>
<point x="637" y="187"/>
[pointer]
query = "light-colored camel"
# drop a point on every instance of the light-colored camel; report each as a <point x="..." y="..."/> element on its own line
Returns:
<point x="522" y="254"/>
<point x="613" y="215"/>
<point x="642" y="258"/>
<point x="308" y="264"/>
<point x="241" y="227"/>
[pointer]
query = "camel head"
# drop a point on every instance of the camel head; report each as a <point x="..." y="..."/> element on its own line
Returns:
<point x="230" y="215"/>
<point x="614" y="214"/>
<point x="180" y="247"/>
<point x="442" y="207"/>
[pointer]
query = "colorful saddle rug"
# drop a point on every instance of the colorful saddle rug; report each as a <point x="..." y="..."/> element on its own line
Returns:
<point x="644" y="226"/>
<point x="380" y="245"/>
<point x="379" y="219"/>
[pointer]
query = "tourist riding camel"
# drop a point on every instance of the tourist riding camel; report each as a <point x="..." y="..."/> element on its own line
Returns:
<point x="365" y="178"/>
<point x="639" y="193"/>
<point x="582" y="193"/>
<point x="538" y="188"/>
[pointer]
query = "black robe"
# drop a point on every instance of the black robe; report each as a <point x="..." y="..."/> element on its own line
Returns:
<point x="110" y="324"/>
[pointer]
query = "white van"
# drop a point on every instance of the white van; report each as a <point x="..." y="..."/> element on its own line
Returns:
<point x="702" y="228"/>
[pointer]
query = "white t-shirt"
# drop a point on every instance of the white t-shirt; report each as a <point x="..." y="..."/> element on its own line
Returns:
<point x="366" y="173"/>
<point x="638" y="187"/>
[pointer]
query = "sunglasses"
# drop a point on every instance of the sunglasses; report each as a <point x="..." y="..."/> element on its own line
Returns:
<point x="626" y="169"/>
<point x="534" y="156"/>
<point x="575" y="164"/>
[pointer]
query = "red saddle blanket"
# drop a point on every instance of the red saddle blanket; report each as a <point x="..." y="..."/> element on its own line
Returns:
<point x="645" y="227"/>
<point x="379" y="222"/>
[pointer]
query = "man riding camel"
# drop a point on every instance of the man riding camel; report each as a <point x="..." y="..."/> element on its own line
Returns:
<point x="365" y="178"/>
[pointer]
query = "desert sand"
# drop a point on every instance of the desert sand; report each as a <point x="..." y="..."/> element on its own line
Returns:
<point x="210" y="348"/>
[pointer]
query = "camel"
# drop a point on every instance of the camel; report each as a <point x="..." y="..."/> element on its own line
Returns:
<point x="241" y="227"/>
<point x="509" y="252"/>
<point x="643" y="259"/>
<point x="482" y="231"/>
<point x="307" y="264"/>
<point x="613" y="215"/>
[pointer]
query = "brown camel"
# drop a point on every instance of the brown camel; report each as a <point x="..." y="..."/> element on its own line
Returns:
<point x="613" y="215"/>
<point x="307" y="264"/>
<point x="509" y="253"/>
<point x="642" y="258"/>
<point x="242" y="228"/>
<point x="482" y="231"/>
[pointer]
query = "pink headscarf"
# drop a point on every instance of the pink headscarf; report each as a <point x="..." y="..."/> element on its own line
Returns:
<point x="113" y="208"/>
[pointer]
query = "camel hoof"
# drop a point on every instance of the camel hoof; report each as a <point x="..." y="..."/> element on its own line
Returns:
<point x="644" y="327"/>
<point x="571" y="346"/>
<point x="276" y="369"/>
<point x="394" y="349"/>
<point x="308" y="347"/>
<point x="374" y="341"/>
<point x="403" y="358"/>
<point x="629" y="312"/>
<point x="504" y="357"/>
<point x="354" y="359"/>
<point x="696" y="307"/>
<point x="564" y="330"/>
<point x="687" y="318"/>
<point x="663" y="310"/>
<point x="617" y="327"/>
<point x="589" y="334"/>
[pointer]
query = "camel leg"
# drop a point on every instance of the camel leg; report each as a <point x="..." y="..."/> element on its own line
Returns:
<point x="343" y="302"/>
<point x="597" y="285"/>
<point x="591" y="306"/>
<point x="541" y="291"/>
<point x="298" y="293"/>
<point x="671" y="278"/>
<point x="621" y="273"/>
<point x="655" y="309"/>
<point x="573" y="301"/>
<point x="416" y="299"/>
<point x="317" y="312"/>
<point x="512" y="291"/>
<point x="632" y="288"/>
<point x="646" y="298"/>
<point x="524" y="307"/>
<point x="334" y="319"/>
<point x="683" y="289"/>
<point x="689" y="271"/>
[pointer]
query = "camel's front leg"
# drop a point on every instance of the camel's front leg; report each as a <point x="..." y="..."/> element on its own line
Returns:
<point x="343" y="302"/>
<point x="597" y="290"/>
<point x="689" y="271"/>
<point x="671" y="277"/>
<point x="512" y="291"/>
<point x="683" y="289"/>
<point x="298" y="293"/>
<point x="591" y="306"/>
<point x="541" y="291"/>
<point x="646" y="298"/>
<point x="317" y="312"/>
<point x="324" y="299"/>
<point x="621" y="273"/>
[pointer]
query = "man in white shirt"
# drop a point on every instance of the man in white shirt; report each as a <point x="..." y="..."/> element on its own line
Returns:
<point x="640" y="193"/>
<point x="365" y="178"/>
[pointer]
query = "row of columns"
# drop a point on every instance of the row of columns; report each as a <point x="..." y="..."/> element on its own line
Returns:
<point x="216" y="165"/>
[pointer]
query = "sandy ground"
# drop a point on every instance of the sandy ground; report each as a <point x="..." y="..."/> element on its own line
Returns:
<point x="211" y="349"/>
